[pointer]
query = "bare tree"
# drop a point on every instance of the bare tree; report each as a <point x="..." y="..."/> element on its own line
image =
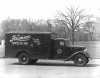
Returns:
<point x="72" y="19"/>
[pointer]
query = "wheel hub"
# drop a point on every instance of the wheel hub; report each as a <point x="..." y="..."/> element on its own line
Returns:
<point x="80" y="60"/>
<point x="24" y="58"/>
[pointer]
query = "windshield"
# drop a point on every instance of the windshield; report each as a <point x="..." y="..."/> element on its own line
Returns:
<point x="67" y="42"/>
<point x="63" y="42"/>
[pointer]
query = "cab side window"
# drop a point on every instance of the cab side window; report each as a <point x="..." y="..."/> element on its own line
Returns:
<point x="61" y="43"/>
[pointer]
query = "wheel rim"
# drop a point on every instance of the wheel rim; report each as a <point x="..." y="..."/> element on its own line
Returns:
<point x="23" y="59"/>
<point x="81" y="61"/>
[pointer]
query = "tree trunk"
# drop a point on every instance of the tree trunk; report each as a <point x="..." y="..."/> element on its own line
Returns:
<point x="73" y="37"/>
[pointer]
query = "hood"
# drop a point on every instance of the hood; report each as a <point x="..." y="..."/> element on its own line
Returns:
<point x="76" y="48"/>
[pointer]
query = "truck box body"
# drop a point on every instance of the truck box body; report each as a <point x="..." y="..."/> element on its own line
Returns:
<point x="38" y="45"/>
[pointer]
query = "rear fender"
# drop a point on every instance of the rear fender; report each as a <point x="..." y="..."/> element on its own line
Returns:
<point x="23" y="51"/>
<point x="79" y="52"/>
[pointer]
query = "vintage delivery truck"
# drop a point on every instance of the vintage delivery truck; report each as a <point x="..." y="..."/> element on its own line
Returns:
<point x="29" y="47"/>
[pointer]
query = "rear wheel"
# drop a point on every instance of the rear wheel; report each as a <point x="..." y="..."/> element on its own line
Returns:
<point x="24" y="58"/>
<point x="80" y="60"/>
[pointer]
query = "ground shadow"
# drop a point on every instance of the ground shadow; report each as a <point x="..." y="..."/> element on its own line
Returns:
<point x="57" y="64"/>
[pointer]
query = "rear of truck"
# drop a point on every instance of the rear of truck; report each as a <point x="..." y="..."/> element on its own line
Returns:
<point x="28" y="45"/>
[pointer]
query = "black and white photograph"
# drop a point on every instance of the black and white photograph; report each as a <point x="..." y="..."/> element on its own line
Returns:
<point x="49" y="39"/>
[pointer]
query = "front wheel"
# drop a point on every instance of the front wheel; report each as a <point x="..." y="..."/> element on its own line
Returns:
<point x="80" y="60"/>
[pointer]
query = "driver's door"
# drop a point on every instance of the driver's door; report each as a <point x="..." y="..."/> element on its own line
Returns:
<point x="59" y="47"/>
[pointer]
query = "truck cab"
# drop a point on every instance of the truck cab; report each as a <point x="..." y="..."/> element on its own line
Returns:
<point x="64" y="50"/>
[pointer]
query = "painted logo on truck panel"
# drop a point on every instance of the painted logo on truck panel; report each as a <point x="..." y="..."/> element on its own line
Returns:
<point x="24" y="40"/>
<point x="20" y="39"/>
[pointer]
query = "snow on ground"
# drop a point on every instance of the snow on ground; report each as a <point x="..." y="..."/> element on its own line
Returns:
<point x="48" y="69"/>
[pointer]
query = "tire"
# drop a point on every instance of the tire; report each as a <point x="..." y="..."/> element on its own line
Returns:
<point x="80" y="60"/>
<point x="24" y="58"/>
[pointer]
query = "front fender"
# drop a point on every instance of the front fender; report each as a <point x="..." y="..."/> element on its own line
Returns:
<point x="79" y="52"/>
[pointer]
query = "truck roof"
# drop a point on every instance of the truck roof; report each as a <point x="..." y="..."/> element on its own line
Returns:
<point x="61" y="39"/>
<point x="29" y="32"/>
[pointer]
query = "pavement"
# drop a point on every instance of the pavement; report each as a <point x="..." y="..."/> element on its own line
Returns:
<point x="10" y="68"/>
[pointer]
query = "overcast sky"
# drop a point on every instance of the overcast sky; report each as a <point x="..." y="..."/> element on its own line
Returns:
<point x="43" y="9"/>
